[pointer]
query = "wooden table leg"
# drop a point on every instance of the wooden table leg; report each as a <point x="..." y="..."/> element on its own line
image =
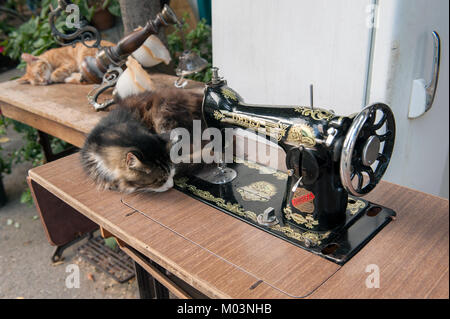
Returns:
<point x="44" y="141"/>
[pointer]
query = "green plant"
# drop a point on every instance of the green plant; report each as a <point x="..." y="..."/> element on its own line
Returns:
<point x="88" y="7"/>
<point x="113" y="6"/>
<point x="33" y="36"/>
<point x="5" y="163"/>
<point x="30" y="151"/>
<point x="198" y="40"/>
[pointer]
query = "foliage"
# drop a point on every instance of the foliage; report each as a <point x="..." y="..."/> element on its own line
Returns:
<point x="113" y="7"/>
<point x="88" y="7"/>
<point x="33" y="36"/>
<point x="30" y="151"/>
<point x="5" y="164"/>
<point x="198" y="40"/>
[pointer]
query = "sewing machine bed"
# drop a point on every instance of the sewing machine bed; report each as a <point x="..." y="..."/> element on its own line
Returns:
<point x="257" y="187"/>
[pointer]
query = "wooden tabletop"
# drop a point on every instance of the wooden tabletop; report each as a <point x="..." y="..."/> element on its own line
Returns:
<point x="62" y="110"/>
<point x="226" y="258"/>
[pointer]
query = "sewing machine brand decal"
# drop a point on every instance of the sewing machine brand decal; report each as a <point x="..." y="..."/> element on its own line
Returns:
<point x="315" y="114"/>
<point x="303" y="200"/>
<point x="275" y="129"/>
<point x="259" y="191"/>
<point x="298" y="133"/>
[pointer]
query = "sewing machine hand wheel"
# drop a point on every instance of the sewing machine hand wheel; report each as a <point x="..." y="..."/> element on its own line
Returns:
<point x="361" y="149"/>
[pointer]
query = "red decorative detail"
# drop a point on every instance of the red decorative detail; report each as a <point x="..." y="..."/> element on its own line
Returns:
<point x="303" y="199"/>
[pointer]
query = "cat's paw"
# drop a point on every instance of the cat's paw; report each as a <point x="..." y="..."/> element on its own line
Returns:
<point x="74" y="78"/>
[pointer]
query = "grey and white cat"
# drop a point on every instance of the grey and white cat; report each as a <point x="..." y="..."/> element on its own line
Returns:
<point x="128" y="150"/>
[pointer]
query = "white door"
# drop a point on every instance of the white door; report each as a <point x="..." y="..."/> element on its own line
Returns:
<point x="403" y="52"/>
<point x="270" y="51"/>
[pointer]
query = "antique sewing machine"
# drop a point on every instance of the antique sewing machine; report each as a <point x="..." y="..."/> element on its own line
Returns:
<point x="332" y="161"/>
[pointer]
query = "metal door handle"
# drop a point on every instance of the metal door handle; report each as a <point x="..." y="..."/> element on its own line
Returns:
<point x="431" y="88"/>
<point x="422" y="94"/>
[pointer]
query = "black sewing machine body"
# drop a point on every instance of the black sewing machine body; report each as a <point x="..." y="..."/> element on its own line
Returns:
<point x="291" y="127"/>
<point x="310" y="205"/>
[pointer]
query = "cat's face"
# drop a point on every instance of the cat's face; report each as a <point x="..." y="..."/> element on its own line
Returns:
<point x="144" y="175"/>
<point x="128" y="171"/>
<point x="38" y="71"/>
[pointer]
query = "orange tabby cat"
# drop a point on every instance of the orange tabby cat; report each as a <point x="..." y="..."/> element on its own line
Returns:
<point x="58" y="65"/>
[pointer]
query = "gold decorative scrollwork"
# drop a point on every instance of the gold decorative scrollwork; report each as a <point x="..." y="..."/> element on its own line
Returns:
<point x="259" y="191"/>
<point x="229" y="94"/>
<point x="218" y="115"/>
<point x="303" y="134"/>
<point x="316" y="114"/>
<point x="307" y="220"/>
<point x="309" y="237"/>
<point x="356" y="206"/>
<point x="220" y="202"/>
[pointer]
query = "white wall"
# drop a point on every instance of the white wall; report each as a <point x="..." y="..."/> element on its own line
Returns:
<point x="271" y="51"/>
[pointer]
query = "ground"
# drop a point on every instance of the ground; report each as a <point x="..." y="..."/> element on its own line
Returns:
<point x="26" y="270"/>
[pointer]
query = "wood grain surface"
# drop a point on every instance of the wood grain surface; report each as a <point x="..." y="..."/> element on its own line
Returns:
<point x="62" y="110"/>
<point x="222" y="257"/>
<point x="411" y="253"/>
<point x="225" y="258"/>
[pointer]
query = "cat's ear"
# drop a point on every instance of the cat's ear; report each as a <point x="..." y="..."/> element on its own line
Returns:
<point x="133" y="161"/>
<point x="29" y="58"/>
<point x="23" y="80"/>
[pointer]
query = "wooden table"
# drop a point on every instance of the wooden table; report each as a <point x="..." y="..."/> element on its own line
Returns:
<point x="62" y="110"/>
<point x="222" y="257"/>
<point x="213" y="253"/>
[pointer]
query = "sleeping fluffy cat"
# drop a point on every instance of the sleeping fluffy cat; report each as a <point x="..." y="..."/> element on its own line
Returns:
<point x="58" y="65"/>
<point x="129" y="149"/>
